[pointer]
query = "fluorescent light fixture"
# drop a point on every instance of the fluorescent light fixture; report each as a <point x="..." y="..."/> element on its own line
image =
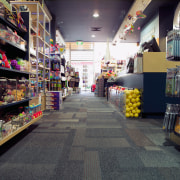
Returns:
<point x="93" y="36"/>
<point x="96" y="15"/>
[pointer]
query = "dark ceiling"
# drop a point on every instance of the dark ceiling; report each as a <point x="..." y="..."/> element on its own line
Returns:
<point x="74" y="18"/>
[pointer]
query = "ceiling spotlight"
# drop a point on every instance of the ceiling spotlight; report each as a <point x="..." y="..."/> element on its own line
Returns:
<point x="93" y="36"/>
<point x="96" y="15"/>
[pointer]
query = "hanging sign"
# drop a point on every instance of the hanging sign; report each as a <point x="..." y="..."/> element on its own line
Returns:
<point x="61" y="49"/>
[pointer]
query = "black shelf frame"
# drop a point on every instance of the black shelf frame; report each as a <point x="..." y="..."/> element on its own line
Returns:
<point x="12" y="26"/>
<point x="15" y="103"/>
<point x="13" y="44"/>
<point x="153" y="86"/>
<point x="14" y="70"/>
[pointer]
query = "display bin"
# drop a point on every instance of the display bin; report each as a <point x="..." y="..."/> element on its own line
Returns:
<point x="32" y="109"/>
<point x="15" y="123"/>
<point x="3" y="88"/>
<point x="23" y="88"/>
<point x="6" y="129"/>
<point x="12" y="95"/>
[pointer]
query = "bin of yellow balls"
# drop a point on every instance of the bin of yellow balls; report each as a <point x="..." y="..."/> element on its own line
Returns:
<point x="132" y="103"/>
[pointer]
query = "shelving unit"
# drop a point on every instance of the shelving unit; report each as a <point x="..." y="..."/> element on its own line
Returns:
<point x="13" y="50"/>
<point x="55" y="67"/>
<point x="39" y="36"/>
<point x="152" y="82"/>
<point x="10" y="136"/>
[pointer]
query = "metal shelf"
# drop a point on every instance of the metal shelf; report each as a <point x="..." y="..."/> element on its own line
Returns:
<point x="15" y="103"/>
<point x="13" y="70"/>
<point x="10" y="136"/>
<point x="33" y="30"/>
<point x="13" y="44"/>
<point x="20" y="30"/>
<point x="48" y="34"/>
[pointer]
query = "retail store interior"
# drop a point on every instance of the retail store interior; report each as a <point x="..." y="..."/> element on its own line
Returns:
<point x="90" y="90"/>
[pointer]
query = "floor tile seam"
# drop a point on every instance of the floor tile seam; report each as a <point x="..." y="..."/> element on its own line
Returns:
<point x="107" y="137"/>
<point x="51" y="132"/>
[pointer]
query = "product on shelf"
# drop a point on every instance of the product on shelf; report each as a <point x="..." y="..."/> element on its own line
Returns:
<point x="173" y="82"/>
<point x="17" y="118"/>
<point x="11" y="93"/>
<point x="55" y="65"/>
<point x="23" y="86"/>
<point x="12" y="90"/>
<point x="2" y="10"/>
<point x="32" y="90"/>
<point x="12" y="37"/>
<point x="170" y="117"/>
<point x="4" y="60"/>
<point x="177" y="125"/>
<point x="53" y="100"/>
<point x="173" y="45"/>
<point x="170" y="82"/>
<point x="3" y="88"/>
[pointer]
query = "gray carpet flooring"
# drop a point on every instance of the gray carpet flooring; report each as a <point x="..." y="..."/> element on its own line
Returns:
<point x="88" y="139"/>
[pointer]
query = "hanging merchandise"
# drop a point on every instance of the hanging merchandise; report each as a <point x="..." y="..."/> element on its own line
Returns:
<point x="177" y="125"/>
<point x="55" y="65"/>
<point x="129" y="16"/>
<point x="62" y="49"/>
<point x="177" y="82"/>
<point x="170" y="81"/>
<point x="170" y="117"/>
<point x="173" y="45"/>
<point x="140" y="14"/>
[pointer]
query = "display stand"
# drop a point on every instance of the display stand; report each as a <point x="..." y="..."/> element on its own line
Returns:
<point x="13" y="126"/>
<point x="10" y="136"/>
<point x="152" y="82"/>
<point x="39" y="41"/>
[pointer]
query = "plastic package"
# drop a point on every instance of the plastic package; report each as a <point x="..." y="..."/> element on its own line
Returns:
<point x="23" y="88"/>
<point x="170" y="82"/>
<point x="171" y="113"/>
<point x="11" y="91"/>
<point x="3" y="87"/>
<point x="173" y="45"/>
<point x="177" y="82"/>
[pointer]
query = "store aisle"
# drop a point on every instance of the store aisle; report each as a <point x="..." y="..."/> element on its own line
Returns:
<point x="89" y="140"/>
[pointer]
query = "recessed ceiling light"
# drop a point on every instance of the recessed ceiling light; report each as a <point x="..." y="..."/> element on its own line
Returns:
<point x="93" y="36"/>
<point x="96" y="15"/>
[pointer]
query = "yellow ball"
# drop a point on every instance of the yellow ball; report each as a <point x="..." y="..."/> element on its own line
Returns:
<point x="133" y="100"/>
<point x="127" y="101"/>
<point x="137" y="99"/>
<point x="131" y="115"/>
<point x="138" y="104"/>
<point x="127" y="92"/>
<point x="127" y="109"/>
<point x="133" y="111"/>
<point x="136" y="115"/>
<point x="130" y="97"/>
<point x="131" y="108"/>
<point x="130" y="104"/>
<point x="138" y="111"/>
<point x="127" y="115"/>
<point x="134" y="96"/>
<point x="134" y="105"/>
<point x="136" y="91"/>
